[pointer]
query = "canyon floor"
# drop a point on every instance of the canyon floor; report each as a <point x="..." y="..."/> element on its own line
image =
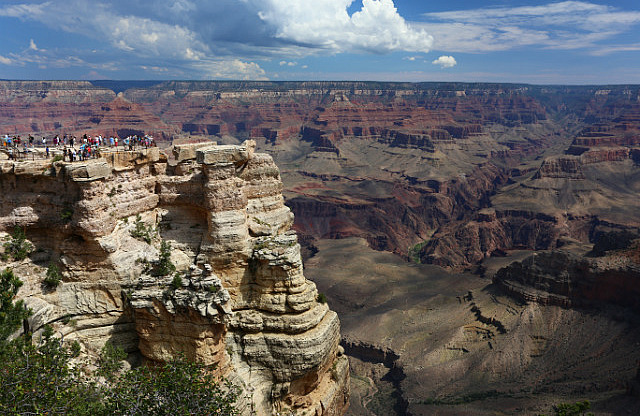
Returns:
<point x="416" y="346"/>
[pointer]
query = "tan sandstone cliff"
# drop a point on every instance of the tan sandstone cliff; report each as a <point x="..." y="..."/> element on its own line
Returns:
<point x="242" y="302"/>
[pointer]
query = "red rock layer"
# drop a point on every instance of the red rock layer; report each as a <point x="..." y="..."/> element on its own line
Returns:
<point x="72" y="107"/>
<point x="600" y="164"/>
<point x="457" y="129"/>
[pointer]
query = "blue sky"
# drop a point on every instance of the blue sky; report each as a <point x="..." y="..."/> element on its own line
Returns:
<point x="539" y="42"/>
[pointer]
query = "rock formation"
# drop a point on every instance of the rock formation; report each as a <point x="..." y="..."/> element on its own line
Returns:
<point x="73" y="107"/>
<point x="409" y="148"/>
<point x="436" y="342"/>
<point x="588" y="189"/>
<point x="566" y="279"/>
<point x="460" y="175"/>
<point x="237" y="300"/>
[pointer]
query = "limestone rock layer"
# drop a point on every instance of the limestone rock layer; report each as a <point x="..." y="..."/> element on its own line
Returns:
<point x="237" y="299"/>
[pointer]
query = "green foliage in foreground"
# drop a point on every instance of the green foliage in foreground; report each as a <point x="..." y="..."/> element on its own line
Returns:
<point x="38" y="378"/>
<point x="179" y="387"/>
<point x="11" y="313"/>
<point x="110" y="361"/>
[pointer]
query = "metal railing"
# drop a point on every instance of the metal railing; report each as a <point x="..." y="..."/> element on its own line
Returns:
<point x="39" y="152"/>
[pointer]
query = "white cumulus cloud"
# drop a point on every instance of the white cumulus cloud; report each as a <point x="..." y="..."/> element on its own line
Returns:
<point x="231" y="68"/>
<point x="197" y="38"/>
<point x="445" y="61"/>
<point x="326" y="25"/>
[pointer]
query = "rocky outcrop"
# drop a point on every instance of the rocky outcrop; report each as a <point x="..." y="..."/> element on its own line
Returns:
<point x="491" y="233"/>
<point x="565" y="279"/>
<point x="570" y="167"/>
<point x="237" y="298"/>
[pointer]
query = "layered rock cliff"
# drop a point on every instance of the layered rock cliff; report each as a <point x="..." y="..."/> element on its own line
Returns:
<point x="588" y="188"/>
<point x="566" y="279"/>
<point x="393" y="163"/>
<point x="237" y="300"/>
<point x="405" y="146"/>
<point x="46" y="108"/>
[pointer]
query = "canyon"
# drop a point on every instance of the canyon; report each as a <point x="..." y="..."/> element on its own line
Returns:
<point x="458" y="230"/>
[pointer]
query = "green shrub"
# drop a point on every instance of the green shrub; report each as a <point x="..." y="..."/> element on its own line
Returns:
<point x="37" y="377"/>
<point x="176" y="283"/>
<point x="66" y="214"/>
<point x="57" y="158"/>
<point x="18" y="247"/>
<point x="142" y="231"/>
<point x="164" y="266"/>
<point x="42" y="380"/>
<point x="322" y="298"/>
<point x="11" y="313"/>
<point x="179" y="387"/>
<point x="54" y="277"/>
<point x="110" y="360"/>
<point x="573" y="409"/>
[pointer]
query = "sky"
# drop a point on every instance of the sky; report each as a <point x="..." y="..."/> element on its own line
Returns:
<point x="536" y="42"/>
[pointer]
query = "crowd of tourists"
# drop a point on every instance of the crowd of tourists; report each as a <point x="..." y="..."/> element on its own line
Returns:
<point x="73" y="148"/>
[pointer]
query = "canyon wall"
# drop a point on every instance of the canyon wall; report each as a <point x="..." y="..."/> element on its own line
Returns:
<point x="577" y="192"/>
<point x="465" y="176"/>
<point x="568" y="280"/>
<point x="237" y="300"/>
<point x="406" y="166"/>
<point x="405" y="146"/>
